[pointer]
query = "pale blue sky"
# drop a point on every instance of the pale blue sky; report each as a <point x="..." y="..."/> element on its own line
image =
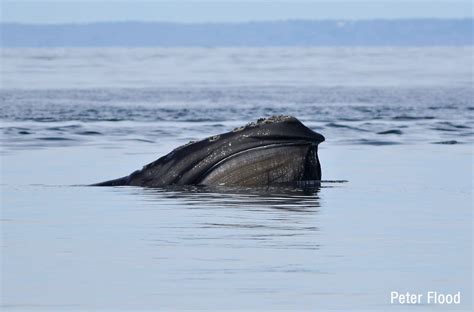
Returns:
<point x="190" y="11"/>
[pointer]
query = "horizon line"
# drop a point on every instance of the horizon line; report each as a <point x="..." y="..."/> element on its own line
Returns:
<point x="241" y="22"/>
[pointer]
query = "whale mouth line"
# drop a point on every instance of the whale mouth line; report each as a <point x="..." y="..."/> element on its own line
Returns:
<point x="290" y="139"/>
<point x="280" y="144"/>
<point x="267" y="146"/>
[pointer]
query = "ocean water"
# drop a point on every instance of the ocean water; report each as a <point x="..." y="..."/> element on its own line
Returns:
<point x="398" y="124"/>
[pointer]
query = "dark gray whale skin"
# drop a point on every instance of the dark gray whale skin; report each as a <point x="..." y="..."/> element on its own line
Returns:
<point x="275" y="150"/>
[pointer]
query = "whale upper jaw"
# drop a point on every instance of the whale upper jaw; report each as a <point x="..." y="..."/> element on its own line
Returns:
<point x="283" y="128"/>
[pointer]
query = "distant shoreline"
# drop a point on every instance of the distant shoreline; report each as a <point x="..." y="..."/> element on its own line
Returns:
<point x="376" y="32"/>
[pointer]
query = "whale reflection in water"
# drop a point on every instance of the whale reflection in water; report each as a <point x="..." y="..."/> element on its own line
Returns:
<point x="287" y="197"/>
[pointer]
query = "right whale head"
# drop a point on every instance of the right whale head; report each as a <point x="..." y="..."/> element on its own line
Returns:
<point x="279" y="149"/>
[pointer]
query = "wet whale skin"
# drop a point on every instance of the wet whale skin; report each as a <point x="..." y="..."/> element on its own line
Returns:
<point x="279" y="149"/>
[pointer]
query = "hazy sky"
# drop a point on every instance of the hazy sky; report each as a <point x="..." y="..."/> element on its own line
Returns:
<point x="189" y="11"/>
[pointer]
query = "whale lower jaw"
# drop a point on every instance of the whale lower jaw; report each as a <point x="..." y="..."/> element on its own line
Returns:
<point x="286" y="163"/>
<point x="276" y="163"/>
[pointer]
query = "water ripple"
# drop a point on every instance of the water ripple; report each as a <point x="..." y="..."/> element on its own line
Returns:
<point x="345" y="115"/>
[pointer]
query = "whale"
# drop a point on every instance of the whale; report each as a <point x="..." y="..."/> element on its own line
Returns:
<point x="271" y="151"/>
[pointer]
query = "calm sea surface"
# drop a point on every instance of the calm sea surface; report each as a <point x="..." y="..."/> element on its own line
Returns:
<point x="398" y="124"/>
